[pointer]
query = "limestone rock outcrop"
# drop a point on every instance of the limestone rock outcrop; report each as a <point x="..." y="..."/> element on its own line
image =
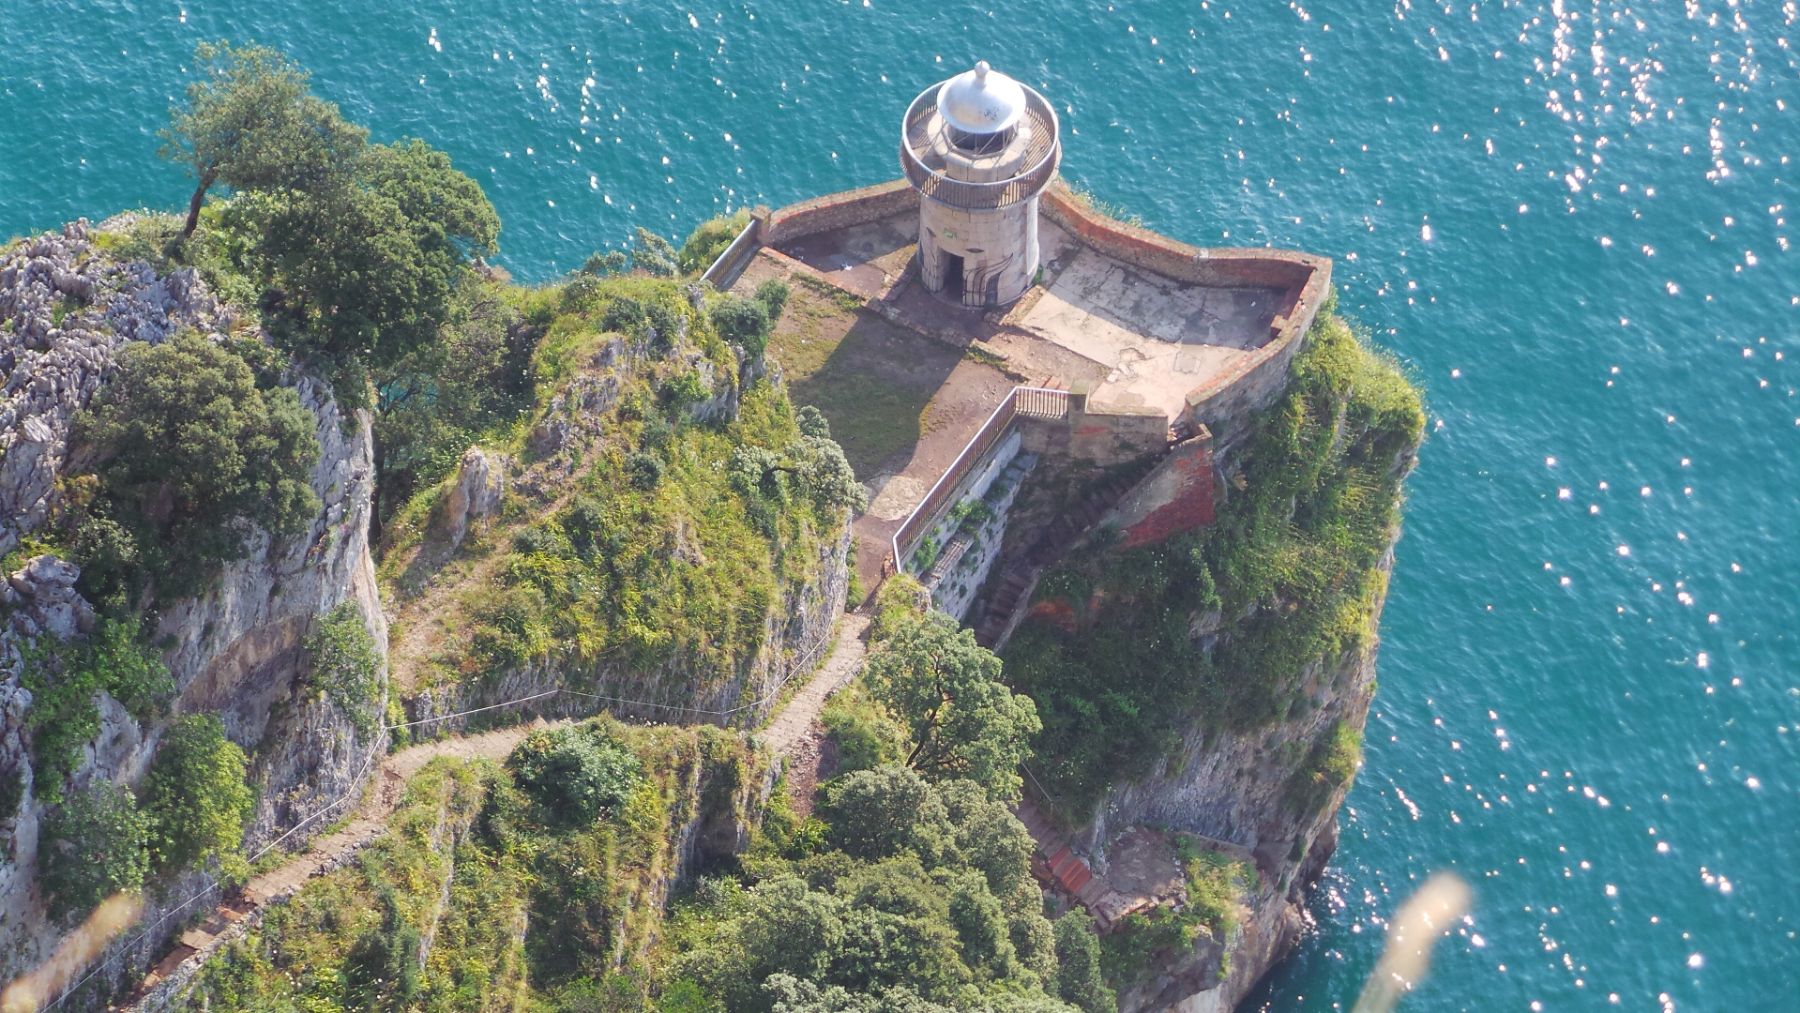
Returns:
<point x="475" y="495"/>
<point x="67" y="308"/>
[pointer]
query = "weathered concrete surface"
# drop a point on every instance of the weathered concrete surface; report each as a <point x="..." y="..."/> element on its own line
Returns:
<point x="1157" y="337"/>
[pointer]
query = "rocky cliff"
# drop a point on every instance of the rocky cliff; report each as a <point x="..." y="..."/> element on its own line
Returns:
<point x="67" y="307"/>
<point x="1239" y="788"/>
<point x="494" y="548"/>
<point x="1215" y="685"/>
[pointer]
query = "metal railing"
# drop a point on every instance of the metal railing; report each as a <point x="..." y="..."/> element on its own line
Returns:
<point x="731" y="260"/>
<point x="927" y="173"/>
<point x="1032" y="402"/>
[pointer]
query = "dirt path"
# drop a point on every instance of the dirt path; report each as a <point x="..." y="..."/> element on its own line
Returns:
<point x="796" y="734"/>
<point x="328" y="852"/>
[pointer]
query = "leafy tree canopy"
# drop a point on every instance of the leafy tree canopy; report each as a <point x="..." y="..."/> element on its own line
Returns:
<point x="91" y="847"/>
<point x="363" y="272"/>
<point x="195" y="796"/>
<point x="191" y="453"/>
<point x="576" y="773"/>
<point x="946" y="688"/>
<point x="251" y="123"/>
<point x="345" y="664"/>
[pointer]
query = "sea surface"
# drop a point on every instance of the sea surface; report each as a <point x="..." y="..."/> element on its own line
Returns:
<point x="1574" y="220"/>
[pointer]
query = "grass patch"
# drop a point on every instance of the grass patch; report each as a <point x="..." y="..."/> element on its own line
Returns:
<point x="874" y="381"/>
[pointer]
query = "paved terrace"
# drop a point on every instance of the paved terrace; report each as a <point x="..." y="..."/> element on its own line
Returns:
<point x="1135" y="338"/>
<point x="1138" y="322"/>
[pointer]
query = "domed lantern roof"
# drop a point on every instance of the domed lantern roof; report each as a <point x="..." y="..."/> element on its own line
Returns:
<point x="981" y="101"/>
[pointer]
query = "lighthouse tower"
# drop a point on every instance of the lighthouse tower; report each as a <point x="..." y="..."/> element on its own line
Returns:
<point x="979" y="148"/>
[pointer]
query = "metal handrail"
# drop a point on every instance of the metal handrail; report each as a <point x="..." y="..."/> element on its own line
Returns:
<point x="933" y="183"/>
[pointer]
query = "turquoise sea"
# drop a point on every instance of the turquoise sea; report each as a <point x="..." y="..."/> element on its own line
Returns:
<point x="1573" y="218"/>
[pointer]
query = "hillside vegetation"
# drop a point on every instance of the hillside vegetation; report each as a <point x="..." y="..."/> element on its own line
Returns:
<point x="1221" y="626"/>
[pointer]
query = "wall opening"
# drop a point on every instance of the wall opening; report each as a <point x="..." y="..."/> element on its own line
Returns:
<point x="953" y="276"/>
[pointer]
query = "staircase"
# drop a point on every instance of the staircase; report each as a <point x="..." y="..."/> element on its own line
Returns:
<point x="1057" y="865"/>
<point x="1054" y="540"/>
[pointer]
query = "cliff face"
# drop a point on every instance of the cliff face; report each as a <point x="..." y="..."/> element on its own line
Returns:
<point x="66" y="309"/>
<point x="1236" y="787"/>
<point x="1216" y="684"/>
<point x="510" y="517"/>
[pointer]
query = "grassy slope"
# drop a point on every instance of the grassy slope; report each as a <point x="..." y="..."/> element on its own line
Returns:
<point x="512" y="909"/>
<point x="607" y="563"/>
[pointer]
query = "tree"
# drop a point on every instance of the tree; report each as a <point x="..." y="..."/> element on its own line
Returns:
<point x="1078" y="978"/>
<point x="772" y="296"/>
<point x="812" y="422"/>
<point x="575" y="772"/>
<point x="91" y="847"/>
<point x="190" y="452"/>
<point x="826" y="475"/>
<point x="195" y="796"/>
<point x="442" y="395"/>
<point x="345" y="664"/>
<point x="880" y="813"/>
<point x="363" y="273"/>
<point x="946" y="688"/>
<point x="251" y="124"/>
<point x="742" y="322"/>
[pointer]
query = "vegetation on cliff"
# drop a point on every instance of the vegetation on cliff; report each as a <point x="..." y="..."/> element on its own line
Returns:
<point x="485" y="894"/>
<point x="678" y="498"/>
<point x="1224" y="624"/>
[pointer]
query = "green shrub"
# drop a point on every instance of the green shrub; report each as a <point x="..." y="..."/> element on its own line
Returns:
<point x="744" y="323"/>
<point x="191" y="452"/>
<point x="345" y="664"/>
<point x="684" y="389"/>
<point x="1078" y="977"/>
<point x="12" y="793"/>
<point x="646" y="470"/>
<point x="865" y="734"/>
<point x="1330" y="765"/>
<point x="653" y="254"/>
<point x="575" y="773"/>
<point x="709" y="239"/>
<point x="91" y="847"/>
<point x="63" y="679"/>
<point x="772" y="296"/>
<point x="196" y="798"/>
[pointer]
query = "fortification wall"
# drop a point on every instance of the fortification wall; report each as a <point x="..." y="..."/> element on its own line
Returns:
<point x="838" y="211"/>
<point x="1176" y="496"/>
<point x="1256" y="380"/>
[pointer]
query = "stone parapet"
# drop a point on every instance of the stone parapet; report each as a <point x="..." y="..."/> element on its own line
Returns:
<point x="1255" y="380"/>
<point x="839" y="211"/>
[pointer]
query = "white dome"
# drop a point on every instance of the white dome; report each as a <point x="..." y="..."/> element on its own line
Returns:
<point x="981" y="101"/>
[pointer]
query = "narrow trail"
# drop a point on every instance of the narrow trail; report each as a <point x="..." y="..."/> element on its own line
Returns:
<point x="331" y="851"/>
<point x="793" y="734"/>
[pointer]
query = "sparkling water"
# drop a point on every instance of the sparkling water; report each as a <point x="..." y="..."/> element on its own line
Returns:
<point x="1573" y="219"/>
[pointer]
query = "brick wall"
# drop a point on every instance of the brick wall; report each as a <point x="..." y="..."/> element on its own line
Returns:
<point x="1176" y="496"/>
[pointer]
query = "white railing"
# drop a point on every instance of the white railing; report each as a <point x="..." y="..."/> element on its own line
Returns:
<point x="1032" y="402"/>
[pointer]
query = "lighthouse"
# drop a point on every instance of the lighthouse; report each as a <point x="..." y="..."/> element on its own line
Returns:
<point x="980" y="148"/>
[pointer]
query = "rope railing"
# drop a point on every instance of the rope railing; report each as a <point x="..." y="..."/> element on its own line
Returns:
<point x="380" y="747"/>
